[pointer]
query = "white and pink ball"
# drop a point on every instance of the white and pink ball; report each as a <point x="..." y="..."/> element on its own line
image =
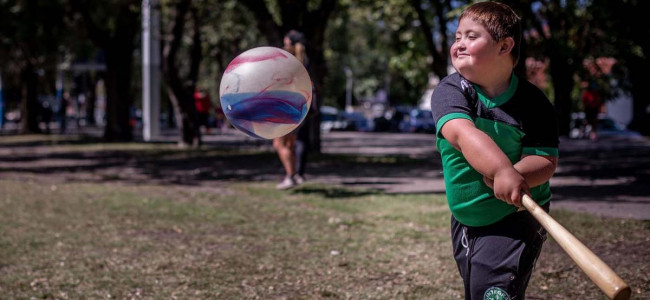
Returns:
<point x="265" y="92"/>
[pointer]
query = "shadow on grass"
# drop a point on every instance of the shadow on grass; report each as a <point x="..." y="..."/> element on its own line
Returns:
<point x="335" y="193"/>
<point x="76" y="159"/>
<point x="620" y="168"/>
<point x="609" y="170"/>
<point x="35" y="140"/>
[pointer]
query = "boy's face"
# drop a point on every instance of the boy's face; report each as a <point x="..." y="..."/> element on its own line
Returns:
<point x="474" y="52"/>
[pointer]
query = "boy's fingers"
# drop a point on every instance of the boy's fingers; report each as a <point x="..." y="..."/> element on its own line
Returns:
<point x="519" y="195"/>
<point x="516" y="198"/>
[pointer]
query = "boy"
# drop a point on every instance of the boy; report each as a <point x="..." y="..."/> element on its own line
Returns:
<point x="497" y="137"/>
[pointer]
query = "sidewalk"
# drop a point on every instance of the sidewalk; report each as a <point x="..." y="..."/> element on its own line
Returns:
<point x="610" y="177"/>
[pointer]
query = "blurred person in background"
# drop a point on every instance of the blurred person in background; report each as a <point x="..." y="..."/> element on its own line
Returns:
<point x="592" y="103"/>
<point x="203" y="106"/>
<point x="294" y="43"/>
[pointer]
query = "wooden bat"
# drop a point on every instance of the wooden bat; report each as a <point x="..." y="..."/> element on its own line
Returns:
<point x="601" y="274"/>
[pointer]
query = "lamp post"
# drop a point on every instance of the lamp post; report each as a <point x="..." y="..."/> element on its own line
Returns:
<point x="348" y="88"/>
<point x="2" y="103"/>
<point x="150" y="69"/>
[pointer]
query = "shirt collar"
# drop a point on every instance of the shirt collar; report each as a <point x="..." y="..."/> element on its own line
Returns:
<point x="500" y="99"/>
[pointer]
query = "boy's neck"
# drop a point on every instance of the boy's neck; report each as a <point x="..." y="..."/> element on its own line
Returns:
<point x="497" y="84"/>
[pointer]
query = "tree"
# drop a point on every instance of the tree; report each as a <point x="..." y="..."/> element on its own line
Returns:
<point x="28" y="49"/>
<point x="312" y="21"/>
<point x="113" y="27"/>
<point x="615" y="35"/>
<point x="556" y="27"/>
<point x="562" y="48"/>
<point x="381" y="43"/>
<point x="226" y="32"/>
<point x="181" y="88"/>
<point x="439" y="51"/>
<point x="571" y="31"/>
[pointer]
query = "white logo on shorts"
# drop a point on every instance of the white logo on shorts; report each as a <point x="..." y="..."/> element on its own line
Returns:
<point x="495" y="293"/>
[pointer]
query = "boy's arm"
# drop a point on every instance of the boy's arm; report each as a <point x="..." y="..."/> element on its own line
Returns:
<point x="486" y="157"/>
<point x="536" y="169"/>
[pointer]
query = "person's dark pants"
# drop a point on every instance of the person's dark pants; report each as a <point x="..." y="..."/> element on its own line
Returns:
<point x="496" y="261"/>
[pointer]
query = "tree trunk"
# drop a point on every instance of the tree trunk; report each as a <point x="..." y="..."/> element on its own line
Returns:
<point x="118" y="45"/>
<point x="119" y="100"/>
<point x="562" y="85"/>
<point x="185" y="115"/>
<point x="563" y="64"/>
<point x="295" y="15"/>
<point x="30" y="107"/>
<point x="562" y="76"/>
<point x="638" y="68"/>
<point x="640" y="95"/>
<point x="315" y="23"/>
<point x="318" y="72"/>
<point x="440" y="57"/>
<point x="181" y="90"/>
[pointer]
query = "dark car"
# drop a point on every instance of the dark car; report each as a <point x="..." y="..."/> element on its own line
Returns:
<point x="356" y="121"/>
<point x="418" y="120"/>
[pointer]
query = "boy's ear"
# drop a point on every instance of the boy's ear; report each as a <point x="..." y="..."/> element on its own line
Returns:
<point x="506" y="45"/>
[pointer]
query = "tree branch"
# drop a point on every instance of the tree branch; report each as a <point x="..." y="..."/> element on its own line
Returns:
<point x="98" y="35"/>
<point x="425" y="26"/>
<point x="265" y="23"/>
<point x="195" y="52"/>
<point x="173" y="43"/>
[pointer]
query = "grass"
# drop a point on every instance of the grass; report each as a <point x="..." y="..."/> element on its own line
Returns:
<point x="72" y="241"/>
<point x="248" y="241"/>
<point x="237" y="239"/>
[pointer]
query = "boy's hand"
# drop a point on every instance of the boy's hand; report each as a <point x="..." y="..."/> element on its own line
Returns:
<point x="508" y="186"/>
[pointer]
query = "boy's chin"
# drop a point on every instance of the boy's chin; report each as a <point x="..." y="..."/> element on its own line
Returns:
<point x="466" y="72"/>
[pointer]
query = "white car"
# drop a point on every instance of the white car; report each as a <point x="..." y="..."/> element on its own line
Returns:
<point x="331" y="119"/>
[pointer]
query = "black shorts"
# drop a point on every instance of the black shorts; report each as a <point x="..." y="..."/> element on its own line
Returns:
<point x="496" y="261"/>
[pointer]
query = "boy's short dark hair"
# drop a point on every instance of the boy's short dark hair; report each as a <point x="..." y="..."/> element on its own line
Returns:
<point x="499" y="20"/>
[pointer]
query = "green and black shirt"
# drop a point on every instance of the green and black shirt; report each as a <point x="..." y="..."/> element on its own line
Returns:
<point x="521" y="121"/>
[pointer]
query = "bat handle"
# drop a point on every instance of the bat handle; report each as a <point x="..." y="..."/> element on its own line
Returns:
<point x="601" y="274"/>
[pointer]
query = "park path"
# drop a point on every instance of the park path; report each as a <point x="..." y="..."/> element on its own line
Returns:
<point x="610" y="177"/>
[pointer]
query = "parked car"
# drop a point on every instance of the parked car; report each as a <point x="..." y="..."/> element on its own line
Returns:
<point x="331" y="119"/>
<point x="356" y="121"/>
<point x="418" y="120"/>
<point x="605" y="127"/>
<point x="394" y="119"/>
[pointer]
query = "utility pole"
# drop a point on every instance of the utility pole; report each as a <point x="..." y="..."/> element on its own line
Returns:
<point x="150" y="69"/>
<point x="348" y="89"/>
<point x="2" y="104"/>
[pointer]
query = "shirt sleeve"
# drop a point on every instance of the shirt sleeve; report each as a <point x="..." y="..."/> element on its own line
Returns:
<point x="448" y="102"/>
